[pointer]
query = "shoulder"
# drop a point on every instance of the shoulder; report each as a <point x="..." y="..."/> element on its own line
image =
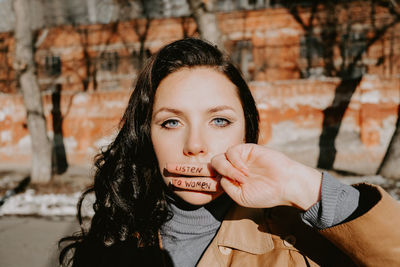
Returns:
<point x="376" y="219"/>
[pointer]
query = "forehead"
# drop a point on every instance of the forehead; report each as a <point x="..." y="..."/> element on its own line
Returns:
<point x="196" y="87"/>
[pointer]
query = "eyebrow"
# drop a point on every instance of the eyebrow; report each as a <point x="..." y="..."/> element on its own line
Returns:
<point x="171" y="110"/>
<point x="220" y="108"/>
<point x="179" y="112"/>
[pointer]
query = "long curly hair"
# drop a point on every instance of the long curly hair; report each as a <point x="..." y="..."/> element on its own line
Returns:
<point x="130" y="205"/>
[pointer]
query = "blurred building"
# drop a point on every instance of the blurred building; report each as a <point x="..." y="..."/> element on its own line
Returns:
<point x="295" y="54"/>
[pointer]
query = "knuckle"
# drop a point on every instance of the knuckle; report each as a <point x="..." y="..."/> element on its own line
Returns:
<point x="232" y="150"/>
<point x="216" y="160"/>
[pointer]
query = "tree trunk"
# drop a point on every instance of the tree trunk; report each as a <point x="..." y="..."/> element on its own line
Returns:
<point x="24" y="66"/>
<point x="203" y="13"/>
<point x="389" y="167"/>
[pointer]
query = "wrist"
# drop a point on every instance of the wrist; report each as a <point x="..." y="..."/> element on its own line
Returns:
<point x="306" y="188"/>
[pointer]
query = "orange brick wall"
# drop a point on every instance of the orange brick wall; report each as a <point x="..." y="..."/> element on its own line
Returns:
<point x="291" y="120"/>
<point x="291" y="108"/>
<point x="274" y="34"/>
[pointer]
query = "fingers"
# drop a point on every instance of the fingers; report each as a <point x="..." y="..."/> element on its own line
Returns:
<point x="196" y="184"/>
<point x="193" y="169"/>
<point x="200" y="176"/>
<point x="232" y="188"/>
<point x="230" y="165"/>
<point x="235" y="158"/>
<point x="225" y="168"/>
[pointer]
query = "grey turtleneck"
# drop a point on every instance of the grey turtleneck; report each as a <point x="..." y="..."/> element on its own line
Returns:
<point x="186" y="236"/>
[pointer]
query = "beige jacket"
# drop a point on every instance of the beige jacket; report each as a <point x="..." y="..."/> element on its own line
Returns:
<point x="278" y="237"/>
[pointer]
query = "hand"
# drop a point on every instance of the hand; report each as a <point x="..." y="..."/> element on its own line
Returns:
<point x="268" y="178"/>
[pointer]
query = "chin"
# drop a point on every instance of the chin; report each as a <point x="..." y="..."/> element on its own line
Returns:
<point x="198" y="198"/>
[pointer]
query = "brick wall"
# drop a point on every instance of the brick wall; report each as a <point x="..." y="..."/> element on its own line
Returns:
<point x="94" y="66"/>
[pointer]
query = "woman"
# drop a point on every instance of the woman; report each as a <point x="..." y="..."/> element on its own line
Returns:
<point x="185" y="184"/>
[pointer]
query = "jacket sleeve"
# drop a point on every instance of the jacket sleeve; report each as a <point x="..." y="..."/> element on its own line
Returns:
<point x="372" y="238"/>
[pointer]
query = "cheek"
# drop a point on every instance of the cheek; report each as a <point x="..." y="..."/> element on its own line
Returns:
<point x="225" y="139"/>
<point x="165" y="146"/>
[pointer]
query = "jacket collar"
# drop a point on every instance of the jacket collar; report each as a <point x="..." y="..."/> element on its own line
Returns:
<point x="245" y="229"/>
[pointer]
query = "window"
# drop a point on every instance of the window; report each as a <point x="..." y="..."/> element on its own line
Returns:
<point x="311" y="56"/>
<point x="52" y="65"/>
<point x="353" y="45"/>
<point x="3" y="46"/>
<point x="138" y="60"/>
<point x="242" y="56"/>
<point x="109" y="61"/>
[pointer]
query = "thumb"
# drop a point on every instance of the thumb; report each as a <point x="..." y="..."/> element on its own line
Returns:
<point x="232" y="188"/>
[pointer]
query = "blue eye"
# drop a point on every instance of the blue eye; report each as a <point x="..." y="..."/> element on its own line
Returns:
<point x="221" y="122"/>
<point x="170" y="124"/>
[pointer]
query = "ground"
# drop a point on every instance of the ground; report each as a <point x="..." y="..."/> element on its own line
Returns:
<point x="33" y="221"/>
<point x="32" y="241"/>
<point x="74" y="180"/>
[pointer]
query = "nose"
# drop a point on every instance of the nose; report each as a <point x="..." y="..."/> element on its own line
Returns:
<point x="195" y="143"/>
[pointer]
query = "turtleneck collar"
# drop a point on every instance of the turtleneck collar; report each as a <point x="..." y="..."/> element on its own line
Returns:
<point x="188" y="214"/>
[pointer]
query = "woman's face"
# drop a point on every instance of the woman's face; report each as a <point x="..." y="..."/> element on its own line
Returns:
<point x="197" y="114"/>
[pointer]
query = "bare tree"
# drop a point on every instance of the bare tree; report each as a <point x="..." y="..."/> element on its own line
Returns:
<point x="141" y="9"/>
<point x="204" y="14"/>
<point x="142" y="33"/>
<point x="389" y="166"/>
<point x="24" y="66"/>
<point x="349" y="70"/>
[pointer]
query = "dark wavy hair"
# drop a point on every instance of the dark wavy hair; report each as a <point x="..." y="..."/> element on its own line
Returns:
<point x="130" y="205"/>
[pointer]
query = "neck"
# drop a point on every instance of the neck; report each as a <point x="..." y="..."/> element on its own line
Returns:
<point x="213" y="211"/>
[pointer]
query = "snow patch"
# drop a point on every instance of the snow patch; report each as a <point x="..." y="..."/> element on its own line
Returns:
<point x="4" y="112"/>
<point x="367" y="85"/>
<point x="262" y="106"/>
<point x="370" y="97"/>
<point x="289" y="31"/>
<point x="46" y="205"/>
<point x="25" y="142"/>
<point x="105" y="141"/>
<point x="91" y="151"/>
<point x="6" y="136"/>
<point x="2" y="115"/>
<point x="81" y="99"/>
<point x="114" y="104"/>
<point x="70" y="142"/>
<point x="288" y="132"/>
